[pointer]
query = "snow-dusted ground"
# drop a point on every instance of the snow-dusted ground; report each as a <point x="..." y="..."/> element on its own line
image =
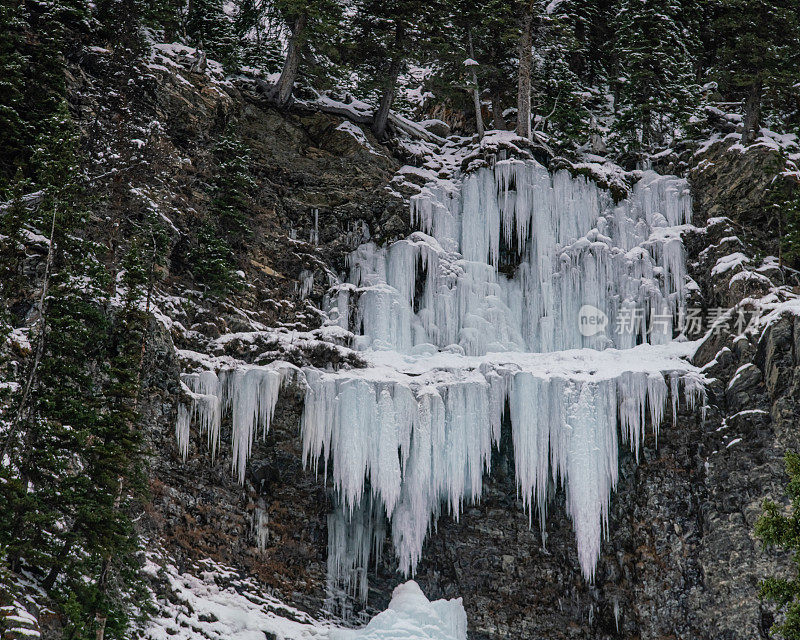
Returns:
<point x="214" y="603"/>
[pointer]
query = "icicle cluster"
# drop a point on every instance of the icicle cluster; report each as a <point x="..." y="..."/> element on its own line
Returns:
<point x="479" y="311"/>
<point x="418" y="442"/>
<point x="355" y="536"/>
<point x="249" y="394"/>
<point x="571" y="246"/>
<point x="415" y="443"/>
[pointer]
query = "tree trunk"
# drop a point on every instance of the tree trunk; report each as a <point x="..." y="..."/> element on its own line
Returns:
<point x="101" y="626"/>
<point x="752" y="112"/>
<point x="22" y="407"/>
<point x="524" y="76"/>
<point x="58" y="565"/>
<point x="476" y="92"/>
<point x="498" y="122"/>
<point x="283" y="90"/>
<point x="382" y="116"/>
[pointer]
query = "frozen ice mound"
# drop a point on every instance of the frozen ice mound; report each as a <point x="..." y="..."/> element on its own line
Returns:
<point x="411" y="616"/>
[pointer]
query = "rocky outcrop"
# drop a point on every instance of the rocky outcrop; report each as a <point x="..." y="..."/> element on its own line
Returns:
<point x="681" y="560"/>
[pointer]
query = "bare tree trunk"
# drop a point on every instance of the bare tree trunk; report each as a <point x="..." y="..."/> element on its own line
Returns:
<point x="21" y="408"/>
<point x="101" y="626"/>
<point x="524" y="76"/>
<point x="498" y="122"/>
<point x="752" y="112"/>
<point x="283" y="90"/>
<point x="382" y="116"/>
<point x="476" y="92"/>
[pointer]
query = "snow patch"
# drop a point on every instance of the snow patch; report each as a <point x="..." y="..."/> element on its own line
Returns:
<point x="411" y="616"/>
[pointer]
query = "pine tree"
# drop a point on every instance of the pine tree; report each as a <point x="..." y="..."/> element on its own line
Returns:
<point x="120" y="24"/>
<point x="496" y="41"/>
<point x="212" y="260"/>
<point x="656" y="90"/>
<point x="165" y="16"/>
<point x="258" y="36"/>
<point x="756" y="56"/>
<point x="560" y="93"/>
<point x="210" y="29"/>
<point x="71" y="460"/>
<point x="233" y="187"/>
<point x="33" y="37"/>
<point x="384" y="37"/>
<point x="308" y="24"/>
<point x="526" y="15"/>
<point x="776" y="528"/>
<point x="484" y="32"/>
<point x="13" y="128"/>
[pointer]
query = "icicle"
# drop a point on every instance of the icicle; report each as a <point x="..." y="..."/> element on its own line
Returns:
<point x="249" y="394"/>
<point x="182" y="425"/>
<point x="576" y="248"/>
<point x="261" y="528"/>
<point x="415" y="447"/>
<point x="353" y="537"/>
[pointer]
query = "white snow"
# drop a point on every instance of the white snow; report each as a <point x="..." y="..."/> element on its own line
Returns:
<point x="411" y="616"/>
<point x="740" y="372"/>
<point x="726" y="263"/>
<point x="203" y="606"/>
<point x="214" y="603"/>
<point x="359" y="135"/>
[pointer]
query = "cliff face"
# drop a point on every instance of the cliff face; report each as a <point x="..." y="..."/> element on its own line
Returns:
<point x="681" y="560"/>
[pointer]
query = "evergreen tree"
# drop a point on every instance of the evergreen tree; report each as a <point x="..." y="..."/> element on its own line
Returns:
<point x="495" y="41"/>
<point x="776" y="528"/>
<point x="213" y="257"/>
<point x="756" y="57"/>
<point x="258" y="35"/>
<point x="656" y="91"/>
<point x="233" y="187"/>
<point x="165" y="16"/>
<point x="33" y="37"/>
<point x="308" y="24"/>
<point x="559" y="93"/>
<point x="13" y="128"/>
<point x="526" y="11"/>
<point x="120" y="24"/>
<point x="212" y="261"/>
<point x="71" y="459"/>
<point x="211" y="30"/>
<point x="384" y="37"/>
<point x="484" y="32"/>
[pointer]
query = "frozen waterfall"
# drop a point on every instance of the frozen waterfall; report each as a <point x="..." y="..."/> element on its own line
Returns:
<point x="478" y="317"/>
<point x="441" y="287"/>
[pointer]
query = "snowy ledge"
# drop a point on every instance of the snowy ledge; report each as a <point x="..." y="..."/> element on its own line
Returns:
<point x="575" y="364"/>
<point x="215" y="603"/>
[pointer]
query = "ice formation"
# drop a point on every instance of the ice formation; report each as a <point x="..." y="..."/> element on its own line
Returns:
<point x="417" y="434"/>
<point x="444" y="286"/>
<point x="411" y="616"/>
<point x="248" y="393"/>
<point x="480" y="310"/>
<point x="475" y="322"/>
